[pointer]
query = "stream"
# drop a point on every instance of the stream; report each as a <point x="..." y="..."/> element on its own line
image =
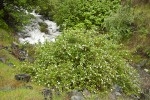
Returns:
<point x="32" y="33"/>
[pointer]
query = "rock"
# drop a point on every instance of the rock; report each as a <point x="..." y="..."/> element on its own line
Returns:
<point x="22" y="58"/>
<point x="10" y="64"/>
<point x="2" y="59"/>
<point x="142" y="63"/>
<point x="134" y="97"/>
<point x="86" y="93"/>
<point x="116" y="92"/>
<point x="6" y="48"/>
<point x="142" y="96"/>
<point x="31" y="59"/>
<point x="21" y="54"/>
<point x="14" y="45"/>
<point x="48" y="95"/>
<point x="75" y="95"/>
<point x="23" y="77"/>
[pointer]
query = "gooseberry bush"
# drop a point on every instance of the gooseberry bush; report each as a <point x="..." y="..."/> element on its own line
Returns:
<point x="80" y="59"/>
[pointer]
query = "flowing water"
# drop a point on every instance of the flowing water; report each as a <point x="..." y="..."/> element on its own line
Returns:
<point x="32" y="33"/>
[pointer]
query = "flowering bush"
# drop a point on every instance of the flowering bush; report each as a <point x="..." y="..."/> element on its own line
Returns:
<point x="78" y="59"/>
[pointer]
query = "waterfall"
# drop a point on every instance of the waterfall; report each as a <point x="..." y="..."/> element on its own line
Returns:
<point x="32" y="33"/>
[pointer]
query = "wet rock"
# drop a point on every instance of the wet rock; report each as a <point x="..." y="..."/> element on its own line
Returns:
<point x="75" y="95"/>
<point x="23" y="77"/>
<point x="3" y="60"/>
<point x="48" y="95"/>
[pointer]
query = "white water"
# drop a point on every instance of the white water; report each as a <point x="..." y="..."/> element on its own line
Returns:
<point x="32" y="34"/>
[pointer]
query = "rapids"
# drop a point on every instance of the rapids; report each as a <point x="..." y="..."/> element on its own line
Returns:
<point x="32" y="33"/>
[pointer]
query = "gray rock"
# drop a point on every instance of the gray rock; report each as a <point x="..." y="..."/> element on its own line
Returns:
<point x="14" y="45"/>
<point x="3" y="60"/>
<point x="116" y="92"/>
<point x="48" y="95"/>
<point x="6" y="48"/>
<point x="10" y="64"/>
<point x="75" y="95"/>
<point x="23" y="77"/>
<point x="86" y="93"/>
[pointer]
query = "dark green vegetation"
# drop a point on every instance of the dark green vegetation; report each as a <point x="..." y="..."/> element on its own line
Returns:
<point x="103" y="44"/>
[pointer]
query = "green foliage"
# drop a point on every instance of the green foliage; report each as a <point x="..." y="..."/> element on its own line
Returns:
<point x="43" y="27"/>
<point x="47" y="8"/>
<point x="88" y="12"/>
<point x="3" y="24"/>
<point x="12" y="14"/>
<point x="120" y="24"/>
<point x="16" y="16"/>
<point x="77" y="61"/>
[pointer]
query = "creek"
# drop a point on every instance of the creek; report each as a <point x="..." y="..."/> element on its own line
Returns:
<point x="33" y="33"/>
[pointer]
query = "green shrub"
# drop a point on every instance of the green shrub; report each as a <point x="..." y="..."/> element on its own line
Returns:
<point x="15" y="17"/>
<point x="121" y="24"/>
<point x="12" y="14"/>
<point x="77" y="61"/>
<point x="89" y="12"/>
<point x="43" y="27"/>
<point x="47" y="8"/>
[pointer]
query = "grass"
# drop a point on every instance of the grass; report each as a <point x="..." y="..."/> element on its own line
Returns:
<point x="10" y="89"/>
<point x="21" y="94"/>
<point x="6" y="37"/>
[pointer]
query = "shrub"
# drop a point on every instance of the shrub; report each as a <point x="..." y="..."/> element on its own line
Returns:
<point x="89" y="12"/>
<point x="77" y="61"/>
<point x="43" y="27"/>
<point x="121" y="24"/>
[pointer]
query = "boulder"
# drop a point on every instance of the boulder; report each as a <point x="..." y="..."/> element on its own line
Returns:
<point x="48" y="95"/>
<point x="117" y="91"/>
<point x="3" y="60"/>
<point x="75" y="95"/>
<point x="10" y="64"/>
<point x="23" y="77"/>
